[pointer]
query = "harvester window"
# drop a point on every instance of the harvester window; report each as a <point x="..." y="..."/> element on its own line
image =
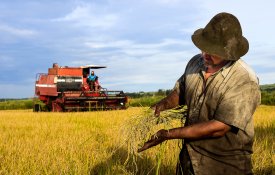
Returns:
<point x="85" y="72"/>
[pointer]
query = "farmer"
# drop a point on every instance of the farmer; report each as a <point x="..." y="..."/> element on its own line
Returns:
<point x="221" y="92"/>
<point x="96" y="84"/>
<point x="91" y="80"/>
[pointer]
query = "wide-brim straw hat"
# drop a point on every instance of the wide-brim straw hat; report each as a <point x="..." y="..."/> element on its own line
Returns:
<point x="222" y="36"/>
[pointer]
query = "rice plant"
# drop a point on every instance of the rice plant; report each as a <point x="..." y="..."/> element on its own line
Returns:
<point x="94" y="142"/>
<point x="138" y="129"/>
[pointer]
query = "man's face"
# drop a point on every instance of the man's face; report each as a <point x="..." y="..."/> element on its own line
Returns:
<point x="92" y="73"/>
<point x="211" y="61"/>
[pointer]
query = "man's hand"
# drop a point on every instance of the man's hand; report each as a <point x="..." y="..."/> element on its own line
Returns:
<point x="209" y="129"/>
<point x="156" y="139"/>
<point x="156" y="108"/>
<point x="169" y="102"/>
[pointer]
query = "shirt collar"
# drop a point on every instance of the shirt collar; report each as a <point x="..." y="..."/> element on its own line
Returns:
<point x="224" y="70"/>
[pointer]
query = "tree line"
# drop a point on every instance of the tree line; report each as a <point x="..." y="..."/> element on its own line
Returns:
<point x="137" y="99"/>
<point x="149" y="98"/>
<point x="268" y="94"/>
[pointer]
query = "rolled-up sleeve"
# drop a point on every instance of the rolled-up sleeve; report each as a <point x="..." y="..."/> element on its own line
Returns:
<point x="180" y="89"/>
<point x="179" y="85"/>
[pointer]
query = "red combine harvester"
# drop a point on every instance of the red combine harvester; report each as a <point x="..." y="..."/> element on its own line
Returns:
<point x="67" y="89"/>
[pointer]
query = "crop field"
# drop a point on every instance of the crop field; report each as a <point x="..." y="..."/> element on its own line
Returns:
<point x="92" y="143"/>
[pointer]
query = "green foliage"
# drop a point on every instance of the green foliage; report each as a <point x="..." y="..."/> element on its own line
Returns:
<point x="160" y="92"/>
<point x="139" y="94"/>
<point x="268" y="87"/>
<point x="16" y="104"/>
<point x="268" y="98"/>
<point x="268" y="94"/>
<point x="144" y="101"/>
<point x="137" y="99"/>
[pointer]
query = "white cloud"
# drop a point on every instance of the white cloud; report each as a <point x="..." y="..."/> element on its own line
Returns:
<point x="261" y="62"/>
<point x="106" y="44"/>
<point x="138" y="49"/>
<point x="89" y="17"/>
<point x="261" y="56"/>
<point x="266" y="77"/>
<point x="139" y="64"/>
<point x="147" y="71"/>
<point x="17" y="31"/>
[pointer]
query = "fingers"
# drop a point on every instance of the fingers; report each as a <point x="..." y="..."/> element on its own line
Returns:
<point x="153" y="107"/>
<point x="145" y="147"/>
<point x="149" y="144"/>
<point x="156" y="109"/>
<point x="157" y="112"/>
<point x="156" y="139"/>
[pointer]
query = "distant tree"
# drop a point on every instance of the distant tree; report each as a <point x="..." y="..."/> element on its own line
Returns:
<point x="268" y="97"/>
<point x="160" y="92"/>
<point x="167" y="92"/>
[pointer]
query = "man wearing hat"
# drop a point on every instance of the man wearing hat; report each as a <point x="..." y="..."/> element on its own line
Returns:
<point x="221" y="92"/>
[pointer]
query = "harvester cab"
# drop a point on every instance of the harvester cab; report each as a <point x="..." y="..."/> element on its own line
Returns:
<point x="69" y="89"/>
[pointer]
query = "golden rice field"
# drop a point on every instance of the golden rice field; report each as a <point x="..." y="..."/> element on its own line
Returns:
<point x="92" y="143"/>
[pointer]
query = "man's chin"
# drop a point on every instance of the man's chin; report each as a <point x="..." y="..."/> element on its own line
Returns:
<point x="208" y="64"/>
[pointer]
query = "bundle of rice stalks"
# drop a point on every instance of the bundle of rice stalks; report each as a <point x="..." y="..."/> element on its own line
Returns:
<point x="138" y="129"/>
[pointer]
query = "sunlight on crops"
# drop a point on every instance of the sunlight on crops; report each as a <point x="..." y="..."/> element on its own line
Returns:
<point x="91" y="143"/>
<point x="264" y="144"/>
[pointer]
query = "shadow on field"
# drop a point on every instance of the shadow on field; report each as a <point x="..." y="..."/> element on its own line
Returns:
<point x="115" y="165"/>
<point x="267" y="171"/>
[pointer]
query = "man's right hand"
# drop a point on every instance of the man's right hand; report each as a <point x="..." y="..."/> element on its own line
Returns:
<point x="169" y="102"/>
<point x="156" y="108"/>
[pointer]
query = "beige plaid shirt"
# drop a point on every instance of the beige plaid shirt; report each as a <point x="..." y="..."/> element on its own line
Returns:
<point x="231" y="96"/>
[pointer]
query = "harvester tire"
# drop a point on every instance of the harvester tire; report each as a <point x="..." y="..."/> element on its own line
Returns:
<point x="37" y="108"/>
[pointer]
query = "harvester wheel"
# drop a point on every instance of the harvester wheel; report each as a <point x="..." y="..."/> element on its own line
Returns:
<point x="37" y="108"/>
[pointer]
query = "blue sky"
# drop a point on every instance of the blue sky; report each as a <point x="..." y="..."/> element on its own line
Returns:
<point x="144" y="44"/>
